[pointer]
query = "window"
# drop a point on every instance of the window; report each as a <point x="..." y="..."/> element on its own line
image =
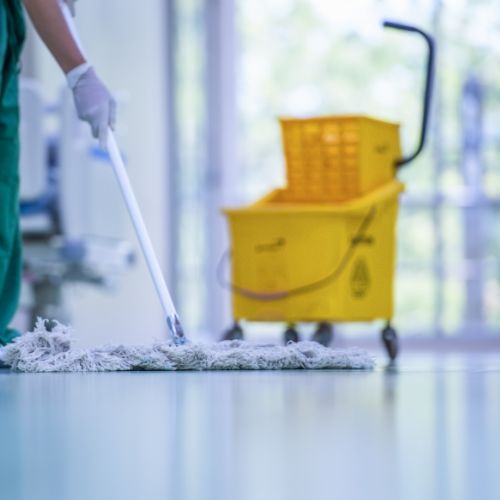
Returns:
<point x="300" y="57"/>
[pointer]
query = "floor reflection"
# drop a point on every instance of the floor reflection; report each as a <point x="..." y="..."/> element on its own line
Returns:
<point x="427" y="428"/>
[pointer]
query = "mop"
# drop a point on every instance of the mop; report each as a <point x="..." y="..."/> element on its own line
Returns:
<point x="50" y="347"/>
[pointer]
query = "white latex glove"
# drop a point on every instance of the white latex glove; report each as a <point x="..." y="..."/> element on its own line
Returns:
<point x="71" y="6"/>
<point x="93" y="101"/>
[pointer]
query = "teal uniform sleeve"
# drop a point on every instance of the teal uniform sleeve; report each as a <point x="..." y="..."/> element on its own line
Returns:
<point x="11" y="39"/>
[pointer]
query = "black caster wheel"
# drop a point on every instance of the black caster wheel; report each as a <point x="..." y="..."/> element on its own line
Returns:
<point x="390" y="340"/>
<point x="323" y="334"/>
<point x="233" y="333"/>
<point x="291" y="334"/>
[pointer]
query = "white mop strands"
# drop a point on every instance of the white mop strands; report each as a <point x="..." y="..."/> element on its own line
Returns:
<point x="53" y="351"/>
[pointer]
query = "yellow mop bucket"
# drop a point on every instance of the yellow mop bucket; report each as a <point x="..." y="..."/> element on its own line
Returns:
<point x="315" y="262"/>
<point x="322" y="249"/>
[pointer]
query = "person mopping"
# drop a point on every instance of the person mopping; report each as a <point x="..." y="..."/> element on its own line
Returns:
<point x="94" y="104"/>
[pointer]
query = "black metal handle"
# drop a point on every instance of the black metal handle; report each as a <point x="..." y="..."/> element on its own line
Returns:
<point x="428" y="86"/>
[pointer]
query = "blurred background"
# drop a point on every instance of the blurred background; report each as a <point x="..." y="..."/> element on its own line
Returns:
<point x="200" y="84"/>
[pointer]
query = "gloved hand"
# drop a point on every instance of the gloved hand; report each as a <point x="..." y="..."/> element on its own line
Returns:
<point x="71" y="6"/>
<point x="93" y="101"/>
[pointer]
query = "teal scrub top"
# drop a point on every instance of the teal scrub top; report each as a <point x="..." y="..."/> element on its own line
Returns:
<point x="12" y="31"/>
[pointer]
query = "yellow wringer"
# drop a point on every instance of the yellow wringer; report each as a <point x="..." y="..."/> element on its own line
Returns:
<point x="322" y="249"/>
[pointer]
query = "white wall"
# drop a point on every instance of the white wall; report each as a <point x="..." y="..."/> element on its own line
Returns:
<point x="126" y="42"/>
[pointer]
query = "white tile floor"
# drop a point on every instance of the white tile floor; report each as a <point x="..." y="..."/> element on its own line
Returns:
<point x="429" y="430"/>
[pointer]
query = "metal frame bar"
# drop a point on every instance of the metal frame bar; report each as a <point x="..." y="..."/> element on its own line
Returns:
<point x="172" y="145"/>
<point x="221" y="172"/>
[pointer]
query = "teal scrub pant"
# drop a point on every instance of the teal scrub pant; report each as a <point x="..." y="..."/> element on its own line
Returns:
<point x="11" y="39"/>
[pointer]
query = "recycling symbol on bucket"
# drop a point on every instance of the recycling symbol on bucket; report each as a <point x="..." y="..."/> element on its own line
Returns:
<point x="360" y="279"/>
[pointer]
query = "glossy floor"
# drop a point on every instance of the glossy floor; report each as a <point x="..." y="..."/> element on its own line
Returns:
<point x="429" y="430"/>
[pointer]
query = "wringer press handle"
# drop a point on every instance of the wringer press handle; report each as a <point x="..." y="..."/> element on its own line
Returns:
<point x="428" y="85"/>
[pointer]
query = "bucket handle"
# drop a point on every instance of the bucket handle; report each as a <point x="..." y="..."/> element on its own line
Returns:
<point x="429" y="79"/>
<point x="315" y="285"/>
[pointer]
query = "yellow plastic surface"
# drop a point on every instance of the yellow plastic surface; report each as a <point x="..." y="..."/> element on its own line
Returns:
<point x="279" y="246"/>
<point x="336" y="158"/>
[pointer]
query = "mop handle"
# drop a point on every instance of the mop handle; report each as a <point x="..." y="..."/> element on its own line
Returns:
<point x="139" y="226"/>
<point x="142" y="235"/>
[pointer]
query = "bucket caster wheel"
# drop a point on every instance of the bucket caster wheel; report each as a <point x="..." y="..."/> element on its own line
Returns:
<point x="323" y="334"/>
<point x="233" y="333"/>
<point x="390" y="340"/>
<point x="291" y="334"/>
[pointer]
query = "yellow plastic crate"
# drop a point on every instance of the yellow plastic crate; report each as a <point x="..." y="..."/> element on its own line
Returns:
<point x="337" y="158"/>
<point x="314" y="262"/>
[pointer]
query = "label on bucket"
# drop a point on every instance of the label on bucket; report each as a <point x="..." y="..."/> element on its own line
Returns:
<point x="360" y="278"/>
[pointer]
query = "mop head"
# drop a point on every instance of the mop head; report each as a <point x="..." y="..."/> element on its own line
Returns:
<point x="53" y="351"/>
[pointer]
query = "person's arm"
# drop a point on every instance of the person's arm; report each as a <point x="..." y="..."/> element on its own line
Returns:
<point x="93" y="101"/>
<point x="53" y="30"/>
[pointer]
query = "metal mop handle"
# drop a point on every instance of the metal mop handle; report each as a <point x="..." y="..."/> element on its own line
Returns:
<point x="173" y="321"/>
